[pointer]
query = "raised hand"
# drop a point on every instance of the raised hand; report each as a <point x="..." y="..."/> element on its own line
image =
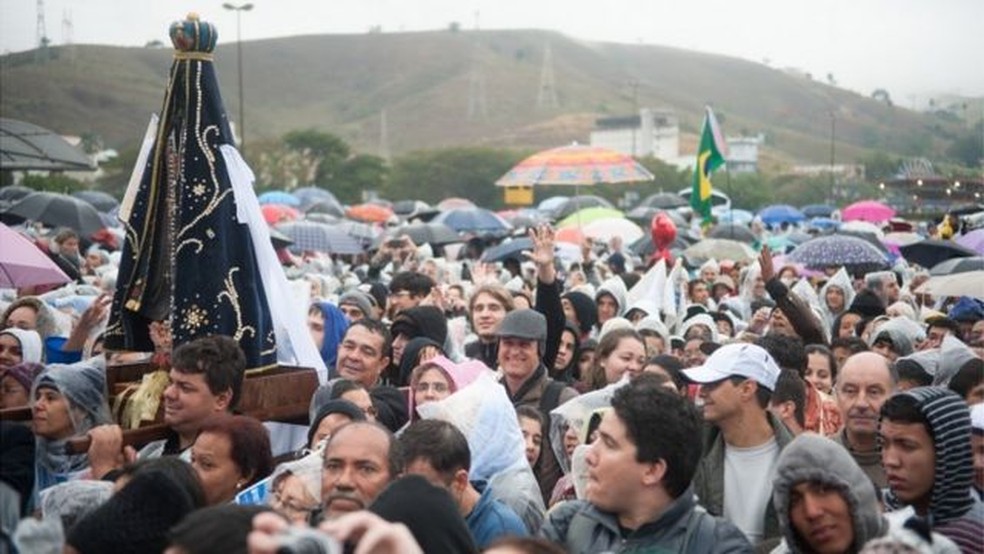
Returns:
<point x="765" y="262"/>
<point x="543" y="252"/>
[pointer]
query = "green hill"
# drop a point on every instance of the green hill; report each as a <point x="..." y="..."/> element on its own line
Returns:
<point x="342" y="83"/>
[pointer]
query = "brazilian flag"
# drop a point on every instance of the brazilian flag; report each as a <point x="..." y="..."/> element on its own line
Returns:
<point x="710" y="156"/>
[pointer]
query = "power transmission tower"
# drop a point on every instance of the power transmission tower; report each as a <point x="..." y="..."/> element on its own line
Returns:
<point x="547" y="95"/>
<point x="41" y="54"/>
<point x="476" y="83"/>
<point x="476" y="91"/>
<point x="384" y="149"/>
<point x="68" y="30"/>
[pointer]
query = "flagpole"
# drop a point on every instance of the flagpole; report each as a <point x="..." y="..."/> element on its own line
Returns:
<point x="731" y="201"/>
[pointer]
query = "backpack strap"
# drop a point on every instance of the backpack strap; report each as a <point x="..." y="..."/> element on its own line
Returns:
<point x="700" y="532"/>
<point x="551" y="397"/>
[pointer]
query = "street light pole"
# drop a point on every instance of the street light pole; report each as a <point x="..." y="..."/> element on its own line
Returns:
<point x="239" y="62"/>
<point x="833" y="128"/>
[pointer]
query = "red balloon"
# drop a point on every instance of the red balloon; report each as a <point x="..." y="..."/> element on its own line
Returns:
<point x="663" y="232"/>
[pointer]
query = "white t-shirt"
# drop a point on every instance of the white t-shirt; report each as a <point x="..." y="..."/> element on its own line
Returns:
<point x="748" y="486"/>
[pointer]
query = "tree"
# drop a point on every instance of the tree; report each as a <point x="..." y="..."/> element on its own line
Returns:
<point x="879" y="166"/>
<point x="467" y="172"/>
<point x="882" y="96"/>
<point x="53" y="182"/>
<point x="667" y="177"/>
<point x="968" y="148"/>
<point x="326" y="151"/>
<point x="361" y="172"/>
<point x="117" y="172"/>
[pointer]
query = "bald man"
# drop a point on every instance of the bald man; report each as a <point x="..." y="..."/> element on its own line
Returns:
<point x="865" y="382"/>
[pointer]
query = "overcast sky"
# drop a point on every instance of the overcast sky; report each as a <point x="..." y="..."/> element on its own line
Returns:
<point x="910" y="47"/>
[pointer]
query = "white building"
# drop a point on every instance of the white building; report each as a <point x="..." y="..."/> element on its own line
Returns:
<point x="743" y="153"/>
<point x="654" y="132"/>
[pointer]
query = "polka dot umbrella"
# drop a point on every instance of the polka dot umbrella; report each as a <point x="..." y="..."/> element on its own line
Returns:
<point x="854" y="253"/>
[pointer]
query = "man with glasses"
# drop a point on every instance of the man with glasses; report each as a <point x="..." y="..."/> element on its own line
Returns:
<point x="742" y="446"/>
<point x="407" y="289"/>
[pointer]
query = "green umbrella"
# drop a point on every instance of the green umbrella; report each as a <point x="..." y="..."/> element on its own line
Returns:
<point x="587" y="215"/>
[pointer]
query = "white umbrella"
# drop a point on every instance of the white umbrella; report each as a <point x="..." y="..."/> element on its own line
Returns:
<point x="970" y="283"/>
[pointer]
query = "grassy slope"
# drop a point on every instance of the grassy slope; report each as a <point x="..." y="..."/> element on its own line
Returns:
<point x="340" y="83"/>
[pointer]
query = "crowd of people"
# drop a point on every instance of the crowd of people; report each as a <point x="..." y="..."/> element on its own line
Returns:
<point x="607" y="404"/>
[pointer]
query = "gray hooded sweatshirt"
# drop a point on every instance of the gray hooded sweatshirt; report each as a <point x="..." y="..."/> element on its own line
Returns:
<point x="954" y="511"/>
<point x="814" y="458"/>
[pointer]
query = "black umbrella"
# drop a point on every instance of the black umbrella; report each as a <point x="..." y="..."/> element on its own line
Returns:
<point x="930" y="252"/>
<point x="25" y="146"/>
<point x="644" y="247"/>
<point x="323" y="218"/>
<point x="817" y="210"/>
<point x="733" y="231"/>
<point x="330" y="207"/>
<point x="56" y="210"/>
<point x="279" y="240"/>
<point x="664" y="200"/>
<point x="312" y="195"/>
<point x="509" y="249"/>
<point x="644" y="215"/>
<point x="102" y="201"/>
<point x="435" y="234"/>
<point x="572" y="205"/>
<point x="958" y="265"/>
<point x="13" y="193"/>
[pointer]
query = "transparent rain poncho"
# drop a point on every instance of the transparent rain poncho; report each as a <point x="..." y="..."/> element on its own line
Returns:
<point x="575" y="414"/>
<point x="84" y="388"/>
<point x="483" y="413"/>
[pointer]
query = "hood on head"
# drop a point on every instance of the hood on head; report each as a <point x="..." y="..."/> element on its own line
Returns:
<point x="615" y="287"/>
<point x="811" y="457"/>
<point x="949" y="422"/>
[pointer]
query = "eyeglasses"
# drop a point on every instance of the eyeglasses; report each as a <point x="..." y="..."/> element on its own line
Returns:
<point x="439" y="388"/>
<point x="400" y="294"/>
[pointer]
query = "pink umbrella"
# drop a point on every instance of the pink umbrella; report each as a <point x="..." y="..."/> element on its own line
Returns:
<point x="23" y="264"/>
<point x="868" y="210"/>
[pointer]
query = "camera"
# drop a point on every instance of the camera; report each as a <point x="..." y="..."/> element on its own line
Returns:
<point x="301" y="540"/>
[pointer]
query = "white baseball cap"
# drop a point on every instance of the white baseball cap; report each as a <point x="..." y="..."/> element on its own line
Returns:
<point x="737" y="359"/>
<point x="977" y="417"/>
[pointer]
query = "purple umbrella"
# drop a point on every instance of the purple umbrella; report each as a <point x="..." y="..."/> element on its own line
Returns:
<point x="973" y="240"/>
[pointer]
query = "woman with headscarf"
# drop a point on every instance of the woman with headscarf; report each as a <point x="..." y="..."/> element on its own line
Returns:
<point x="439" y="378"/>
<point x="836" y="296"/>
<point x="15" y="384"/>
<point x="67" y="401"/>
<point x="19" y="346"/>
<point x="327" y="324"/>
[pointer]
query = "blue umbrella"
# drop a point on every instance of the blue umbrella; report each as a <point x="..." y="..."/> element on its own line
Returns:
<point x="279" y="197"/>
<point x="473" y="220"/>
<point x="824" y="223"/>
<point x="817" y="210"/>
<point x="780" y="213"/>
<point x="856" y="254"/>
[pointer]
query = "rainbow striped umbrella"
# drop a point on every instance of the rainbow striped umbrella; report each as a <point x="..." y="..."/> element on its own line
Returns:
<point x="575" y="165"/>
